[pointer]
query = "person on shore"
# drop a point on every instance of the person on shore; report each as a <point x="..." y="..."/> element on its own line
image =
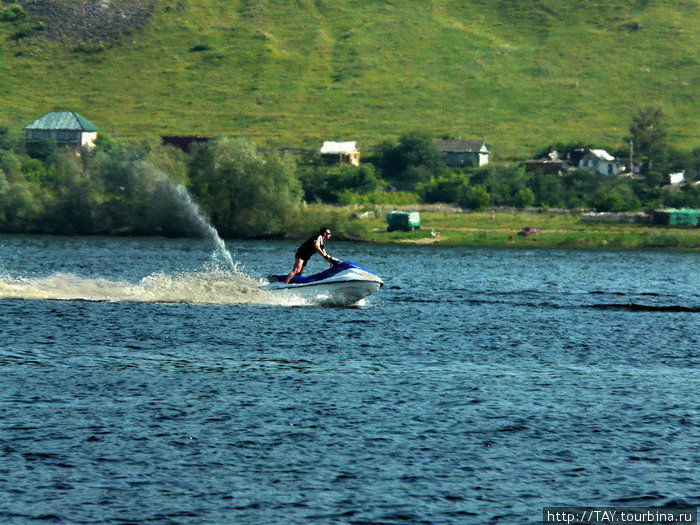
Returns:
<point x="314" y="244"/>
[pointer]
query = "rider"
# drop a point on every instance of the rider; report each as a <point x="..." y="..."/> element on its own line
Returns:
<point x="314" y="244"/>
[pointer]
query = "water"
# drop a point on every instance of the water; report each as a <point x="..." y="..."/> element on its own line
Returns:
<point x="143" y="382"/>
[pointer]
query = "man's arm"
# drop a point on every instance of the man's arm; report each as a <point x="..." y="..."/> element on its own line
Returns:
<point x="323" y="253"/>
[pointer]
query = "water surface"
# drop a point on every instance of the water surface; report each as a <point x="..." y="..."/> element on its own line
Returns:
<point x="146" y="381"/>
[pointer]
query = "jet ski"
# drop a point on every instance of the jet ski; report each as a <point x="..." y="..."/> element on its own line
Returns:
<point x="343" y="284"/>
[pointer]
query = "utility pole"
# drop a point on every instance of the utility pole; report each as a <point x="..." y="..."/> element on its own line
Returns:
<point x="631" y="157"/>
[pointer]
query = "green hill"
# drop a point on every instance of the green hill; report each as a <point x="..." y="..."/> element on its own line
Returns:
<point x="519" y="74"/>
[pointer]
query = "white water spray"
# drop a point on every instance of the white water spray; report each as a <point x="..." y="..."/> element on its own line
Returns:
<point x="220" y="250"/>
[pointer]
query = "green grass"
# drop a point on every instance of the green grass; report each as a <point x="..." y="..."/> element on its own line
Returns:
<point x="451" y="227"/>
<point x="520" y="75"/>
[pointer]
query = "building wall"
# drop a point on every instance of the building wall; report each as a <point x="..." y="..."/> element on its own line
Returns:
<point x="342" y="158"/>
<point x="87" y="140"/>
<point x="63" y="136"/>
<point x="483" y="158"/>
<point x="464" y="158"/>
<point x="603" y="167"/>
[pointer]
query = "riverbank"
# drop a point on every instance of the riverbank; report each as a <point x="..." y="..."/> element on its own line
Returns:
<point x="451" y="226"/>
<point x="448" y="226"/>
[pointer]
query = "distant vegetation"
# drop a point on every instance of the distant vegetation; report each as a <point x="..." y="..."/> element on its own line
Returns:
<point x="527" y="77"/>
<point x="516" y="74"/>
<point x="144" y="188"/>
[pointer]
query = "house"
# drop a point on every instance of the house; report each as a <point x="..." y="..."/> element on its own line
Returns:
<point x="551" y="163"/>
<point x="676" y="178"/>
<point x="63" y="127"/>
<point x="340" y="153"/>
<point x="601" y="161"/>
<point x="461" y="153"/>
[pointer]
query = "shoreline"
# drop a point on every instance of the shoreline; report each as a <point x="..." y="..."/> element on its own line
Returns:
<point x="500" y="229"/>
<point x="443" y="226"/>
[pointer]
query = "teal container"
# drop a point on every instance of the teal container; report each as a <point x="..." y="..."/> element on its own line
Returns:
<point x="687" y="218"/>
<point x="402" y="220"/>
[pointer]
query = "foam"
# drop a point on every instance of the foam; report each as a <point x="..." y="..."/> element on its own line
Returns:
<point x="203" y="287"/>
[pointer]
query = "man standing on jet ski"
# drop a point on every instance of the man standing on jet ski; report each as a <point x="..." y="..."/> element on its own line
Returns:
<point x="314" y="244"/>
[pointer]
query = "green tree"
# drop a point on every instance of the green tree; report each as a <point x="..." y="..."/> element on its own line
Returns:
<point x="42" y="149"/>
<point x="5" y="140"/>
<point x="73" y="199"/>
<point x="608" y="201"/>
<point x="105" y="142"/>
<point x="328" y="183"/>
<point x="524" y="198"/>
<point x="21" y="197"/>
<point x="687" y="196"/>
<point x="548" y="189"/>
<point x="475" y="198"/>
<point x="140" y="189"/>
<point x="448" y="188"/>
<point x="648" y="135"/>
<point x="414" y="159"/>
<point x="246" y="193"/>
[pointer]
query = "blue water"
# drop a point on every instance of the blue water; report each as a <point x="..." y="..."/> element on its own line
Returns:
<point x="143" y="382"/>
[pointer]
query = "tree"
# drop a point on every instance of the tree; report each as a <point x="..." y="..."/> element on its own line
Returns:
<point x="447" y="188"/>
<point x="5" y="141"/>
<point x="328" y="183"/>
<point x="475" y="198"/>
<point x="413" y="160"/>
<point x="246" y="193"/>
<point x="524" y="198"/>
<point x="648" y="135"/>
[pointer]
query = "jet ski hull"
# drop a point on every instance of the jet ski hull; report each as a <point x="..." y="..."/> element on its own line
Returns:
<point x="342" y="285"/>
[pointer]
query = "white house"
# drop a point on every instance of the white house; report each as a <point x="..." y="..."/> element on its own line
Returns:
<point x="601" y="161"/>
<point x="677" y="178"/>
<point x="63" y="127"/>
<point x="341" y="152"/>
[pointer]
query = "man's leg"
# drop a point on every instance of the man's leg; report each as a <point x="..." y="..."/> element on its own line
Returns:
<point x="298" y="268"/>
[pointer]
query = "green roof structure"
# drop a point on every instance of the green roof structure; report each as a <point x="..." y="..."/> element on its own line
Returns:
<point x="62" y="120"/>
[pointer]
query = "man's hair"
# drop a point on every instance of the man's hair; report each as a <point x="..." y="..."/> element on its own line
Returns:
<point x="324" y="230"/>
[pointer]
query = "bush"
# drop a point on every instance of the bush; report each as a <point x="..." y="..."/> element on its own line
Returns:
<point x="308" y="219"/>
<point x="447" y="188"/>
<point x="5" y="140"/>
<point x="374" y="198"/>
<point x="608" y="201"/>
<point x="524" y="198"/>
<point x="475" y="198"/>
<point x="329" y="183"/>
<point x="12" y="13"/>
<point x="90" y="48"/>
<point x="25" y="30"/>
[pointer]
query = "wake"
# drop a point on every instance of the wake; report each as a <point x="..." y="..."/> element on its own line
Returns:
<point x="203" y="287"/>
<point x="221" y="281"/>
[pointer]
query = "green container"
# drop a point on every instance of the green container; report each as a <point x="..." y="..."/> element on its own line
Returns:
<point x="677" y="217"/>
<point x="402" y="220"/>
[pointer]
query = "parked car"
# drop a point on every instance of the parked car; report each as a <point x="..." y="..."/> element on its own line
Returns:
<point x="529" y="231"/>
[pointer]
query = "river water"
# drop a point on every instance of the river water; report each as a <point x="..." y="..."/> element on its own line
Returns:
<point x="147" y="381"/>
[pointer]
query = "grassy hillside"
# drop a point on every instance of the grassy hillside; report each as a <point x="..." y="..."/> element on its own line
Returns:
<point x="519" y="74"/>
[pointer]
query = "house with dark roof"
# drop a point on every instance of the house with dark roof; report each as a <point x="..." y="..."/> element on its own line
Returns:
<point x="549" y="163"/>
<point x="63" y="127"/>
<point x="464" y="153"/>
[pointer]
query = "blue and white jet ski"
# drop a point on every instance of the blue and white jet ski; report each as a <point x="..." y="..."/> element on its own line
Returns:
<point x="343" y="284"/>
